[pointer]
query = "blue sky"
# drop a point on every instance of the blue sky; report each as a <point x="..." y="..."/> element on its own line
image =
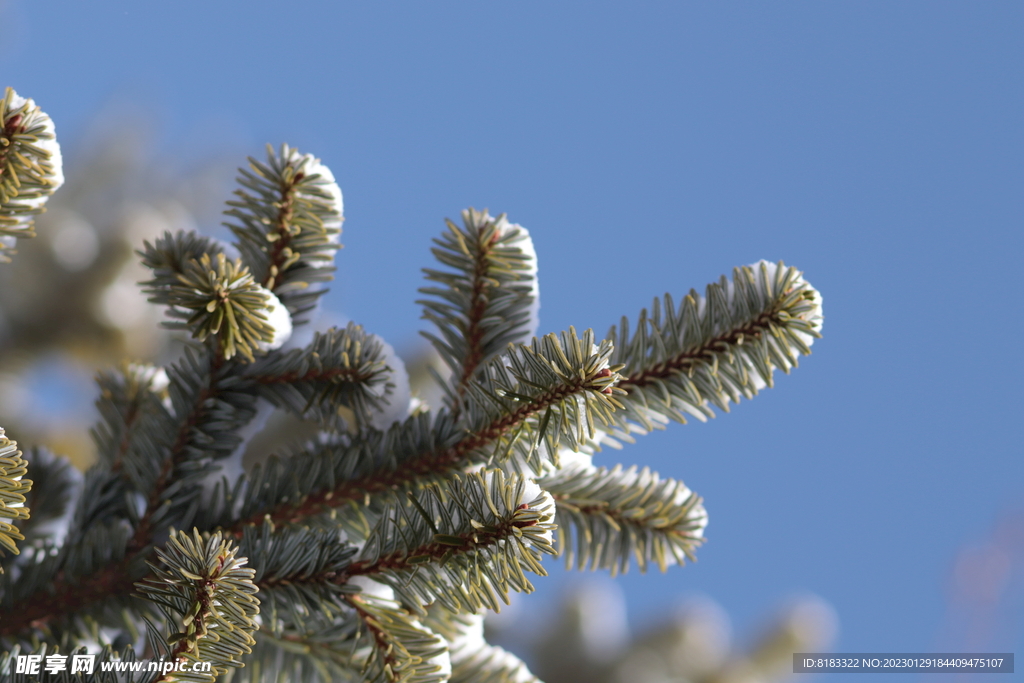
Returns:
<point x="651" y="147"/>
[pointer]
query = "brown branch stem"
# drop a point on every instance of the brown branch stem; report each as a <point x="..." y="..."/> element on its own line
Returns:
<point x="380" y="640"/>
<point x="474" y="333"/>
<point x="67" y="596"/>
<point x="398" y="561"/>
<point x="279" y="253"/>
<point x="130" y="416"/>
<point x="427" y="463"/>
<point x="617" y="516"/>
<point x="705" y="352"/>
<point x="144" y="531"/>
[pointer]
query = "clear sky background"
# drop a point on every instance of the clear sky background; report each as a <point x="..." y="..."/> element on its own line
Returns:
<point x="651" y="147"/>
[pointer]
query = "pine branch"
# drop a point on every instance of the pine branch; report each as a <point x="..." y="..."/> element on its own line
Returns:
<point x="13" y="489"/>
<point x="299" y="655"/>
<point x="84" y="581"/>
<point x="210" y="404"/>
<point x="30" y="168"/>
<point x="401" y="650"/>
<point x="465" y="545"/>
<point x="489" y="297"/>
<point x="295" y="570"/>
<point x="369" y="545"/>
<point x="212" y="297"/>
<point x="554" y="390"/>
<point x="608" y="517"/>
<point x="165" y="461"/>
<point x="90" y="575"/>
<point x="288" y="218"/>
<point x="201" y="585"/>
<point x="341" y="374"/>
<point x="367" y="637"/>
<point x="170" y="255"/>
<point x="134" y="410"/>
<point x="716" y="348"/>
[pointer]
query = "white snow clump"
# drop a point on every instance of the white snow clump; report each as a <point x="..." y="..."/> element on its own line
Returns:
<point x="279" y="319"/>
